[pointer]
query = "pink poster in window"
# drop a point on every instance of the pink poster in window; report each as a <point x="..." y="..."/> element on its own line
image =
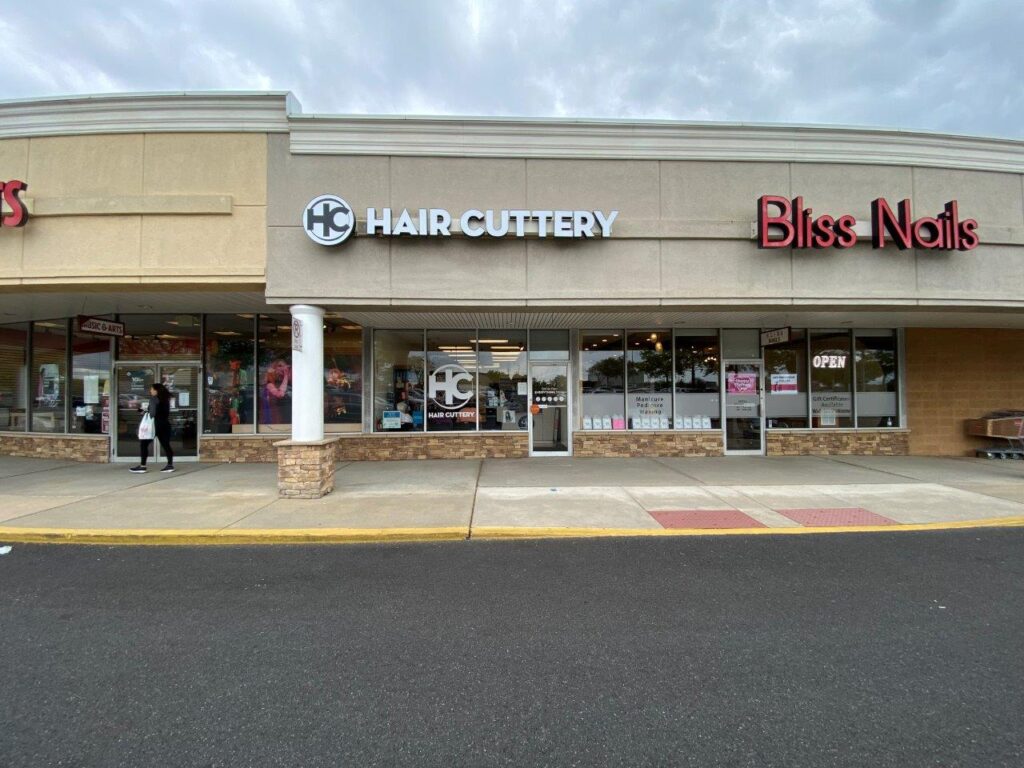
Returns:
<point x="741" y="383"/>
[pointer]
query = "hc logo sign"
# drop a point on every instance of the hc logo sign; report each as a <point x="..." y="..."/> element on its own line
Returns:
<point x="443" y="386"/>
<point x="328" y="220"/>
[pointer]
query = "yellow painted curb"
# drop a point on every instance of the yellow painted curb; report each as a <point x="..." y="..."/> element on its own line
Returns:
<point x="186" y="537"/>
<point x="192" y="537"/>
<point x="570" y="533"/>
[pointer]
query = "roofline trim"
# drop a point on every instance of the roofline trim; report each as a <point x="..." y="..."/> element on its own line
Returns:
<point x="647" y="140"/>
<point x="192" y="112"/>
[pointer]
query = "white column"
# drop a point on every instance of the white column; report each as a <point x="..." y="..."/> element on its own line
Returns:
<point x="307" y="373"/>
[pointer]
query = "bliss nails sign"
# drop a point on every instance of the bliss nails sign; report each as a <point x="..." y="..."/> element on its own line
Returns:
<point x="784" y="223"/>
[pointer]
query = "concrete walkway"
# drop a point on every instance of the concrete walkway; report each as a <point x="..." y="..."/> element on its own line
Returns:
<point x="47" y="500"/>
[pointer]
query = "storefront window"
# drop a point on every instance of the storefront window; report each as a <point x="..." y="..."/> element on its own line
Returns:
<point x="831" y="366"/>
<point x="90" y="383"/>
<point x="230" y="367"/>
<point x="785" y="370"/>
<point x="451" y="380"/>
<point x="698" y="393"/>
<point x="875" y="361"/>
<point x="343" y="375"/>
<point x="14" y="377"/>
<point x="49" y="375"/>
<point x="549" y="345"/>
<point x="274" y="377"/>
<point x="502" y="369"/>
<point x="649" y="379"/>
<point x="159" y="337"/>
<point x="603" y="374"/>
<point x="398" y="380"/>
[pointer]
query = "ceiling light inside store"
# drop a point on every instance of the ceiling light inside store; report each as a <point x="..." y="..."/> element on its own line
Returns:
<point x="227" y="333"/>
<point x="246" y="317"/>
<point x="493" y="341"/>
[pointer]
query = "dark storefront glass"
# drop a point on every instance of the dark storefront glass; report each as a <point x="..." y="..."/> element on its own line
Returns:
<point x="451" y="380"/>
<point x="49" y="375"/>
<point x="90" y="383"/>
<point x="274" y="374"/>
<point x="159" y="337"/>
<point x="343" y="375"/>
<point x="649" y="379"/>
<point x="698" y="388"/>
<point x="14" y="377"/>
<point x="502" y="371"/>
<point x="230" y="369"/>
<point x="785" y="372"/>
<point x="831" y="379"/>
<point x="398" y="381"/>
<point x="876" y="365"/>
<point x="603" y="374"/>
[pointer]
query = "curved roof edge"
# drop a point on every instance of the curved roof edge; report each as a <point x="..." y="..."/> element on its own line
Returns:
<point x="512" y="137"/>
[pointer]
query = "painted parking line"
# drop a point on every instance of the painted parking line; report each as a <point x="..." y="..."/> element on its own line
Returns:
<point x="830" y="517"/>
<point x="705" y="519"/>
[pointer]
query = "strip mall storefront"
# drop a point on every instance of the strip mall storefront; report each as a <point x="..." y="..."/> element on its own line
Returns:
<point x="375" y="288"/>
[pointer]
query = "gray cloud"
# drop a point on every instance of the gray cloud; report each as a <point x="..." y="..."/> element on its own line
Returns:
<point x="947" y="65"/>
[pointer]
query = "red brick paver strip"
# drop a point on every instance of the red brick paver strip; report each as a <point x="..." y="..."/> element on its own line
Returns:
<point x="834" y="516"/>
<point x="705" y="518"/>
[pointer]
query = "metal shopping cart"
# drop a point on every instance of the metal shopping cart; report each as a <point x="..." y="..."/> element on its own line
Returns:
<point x="1001" y="425"/>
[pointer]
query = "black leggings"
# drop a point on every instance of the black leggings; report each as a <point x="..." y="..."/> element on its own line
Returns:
<point x="165" y="445"/>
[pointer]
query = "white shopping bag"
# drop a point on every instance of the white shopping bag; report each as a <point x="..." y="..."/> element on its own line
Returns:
<point x="147" y="430"/>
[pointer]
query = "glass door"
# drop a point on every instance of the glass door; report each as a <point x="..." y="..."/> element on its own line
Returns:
<point x="133" y="381"/>
<point x="549" y="409"/>
<point x="182" y="381"/>
<point x="744" y="408"/>
<point x="132" y="391"/>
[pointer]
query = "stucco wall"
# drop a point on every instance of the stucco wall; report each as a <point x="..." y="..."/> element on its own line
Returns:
<point x="682" y="238"/>
<point x="216" y="183"/>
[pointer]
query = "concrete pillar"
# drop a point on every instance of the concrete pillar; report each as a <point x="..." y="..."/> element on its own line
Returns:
<point x="305" y="464"/>
<point x="307" y="373"/>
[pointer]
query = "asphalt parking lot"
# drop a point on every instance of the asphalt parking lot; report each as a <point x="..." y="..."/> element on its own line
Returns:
<point x="836" y="650"/>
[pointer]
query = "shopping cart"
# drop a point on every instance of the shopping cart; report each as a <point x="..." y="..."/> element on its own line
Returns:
<point x="1001" y="425"/>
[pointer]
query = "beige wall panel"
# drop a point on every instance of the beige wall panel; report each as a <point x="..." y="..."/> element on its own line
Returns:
<point x="11" y="244"/>
<point x="988" y="272"/>
<point x="14" y="160"/>
<point x="858" y="272"/>
<point x="297" y="179"/>
<point x="205" y="245"/>
<point x="298" y="267"/>
<point x="628" y="186"/>
<point x="705" y="191"/>
<point x="85" y="166"/>
<point x="994" y="199"/>
<point x="723" y="268"/>
<point x="78" y="246"/>
<point x="208" y="163"/>
<point x="454" y="183"/>
<point x="593" y="269"/>
<point x="458" y="269"/>
<point x="841" y="189"/>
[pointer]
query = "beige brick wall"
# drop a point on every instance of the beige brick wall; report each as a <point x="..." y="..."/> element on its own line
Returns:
<point x="87" y="448"/>
<point x="632" y="444"/>
<point x="821" y="442"/>
<point x="305" y="471"/>
<point x="254" y="449"/>
<point x="470" y="445"/>
<point x="955" y="374"/>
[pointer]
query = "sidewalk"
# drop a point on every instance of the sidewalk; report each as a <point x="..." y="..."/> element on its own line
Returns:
<point x="42" y="500"/>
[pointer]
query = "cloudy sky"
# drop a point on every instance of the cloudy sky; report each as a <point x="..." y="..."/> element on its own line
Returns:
<point x="946" y="65"/>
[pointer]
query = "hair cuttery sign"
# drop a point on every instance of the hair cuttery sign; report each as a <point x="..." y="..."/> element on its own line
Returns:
<point x="784" y="223"/>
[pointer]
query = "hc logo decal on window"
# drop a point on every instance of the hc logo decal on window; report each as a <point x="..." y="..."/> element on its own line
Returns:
<point x="443" y="386"/>
<point x="328" y="220"/>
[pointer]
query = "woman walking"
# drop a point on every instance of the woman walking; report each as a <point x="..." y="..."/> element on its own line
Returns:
<point x="159" y="411"/>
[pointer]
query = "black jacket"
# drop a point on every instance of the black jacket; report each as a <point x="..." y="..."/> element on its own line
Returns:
<point x="160" y="413"/>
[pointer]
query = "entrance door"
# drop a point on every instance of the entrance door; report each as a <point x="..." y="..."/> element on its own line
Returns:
<point x="549" y="409"/>
<point x="133" y="381"/>
<point x="744" y="408"/>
